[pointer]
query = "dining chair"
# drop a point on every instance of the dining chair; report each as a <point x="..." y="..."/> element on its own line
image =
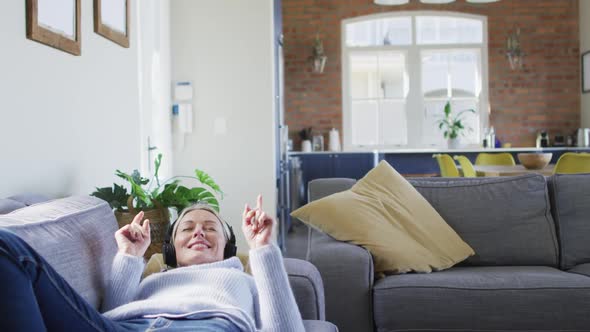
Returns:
<point x="503" y="158"/>
<point x="447" y="166"/>
<point x="466" y="166"/>
<point x="572" y="163"/>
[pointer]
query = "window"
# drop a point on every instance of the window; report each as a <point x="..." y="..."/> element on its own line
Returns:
<point x="399" y="71"/>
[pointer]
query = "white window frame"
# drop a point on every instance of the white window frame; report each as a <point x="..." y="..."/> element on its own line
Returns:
<point x="413" y="59"/>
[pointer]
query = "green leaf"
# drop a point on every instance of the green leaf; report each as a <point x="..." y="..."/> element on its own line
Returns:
<point x="116" y="196"/>
<point x="462" y="112"/>
<point x="205" y="179"/>
<point x="137" y="178"/>
<point x="143" y="198"/>
<point x="447" y="109"/>
<point x="169" y="193"/>
<point x="194" y="194"/>
<point x="209" y="198"/>
<point x="157" y="164"/>
<point x="122" y="175"/>
<point x="453" y="126"/>
<point x="168" y="197"/>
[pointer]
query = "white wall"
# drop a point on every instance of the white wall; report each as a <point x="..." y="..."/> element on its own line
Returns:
<point x="66" y="122"/>
<point x="154" y="84"/>
<point x="585" y="46"/>
<point x="226" y="49"/>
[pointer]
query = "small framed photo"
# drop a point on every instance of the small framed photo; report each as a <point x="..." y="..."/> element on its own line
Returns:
<point x="111" y="20"/>
<point x="586" y="72"/>
<point x="55" y="23"/>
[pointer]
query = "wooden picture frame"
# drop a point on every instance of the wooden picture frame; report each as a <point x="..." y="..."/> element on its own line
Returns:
<point x="586" y="72"/>
<point x="55" y="24"/>
<point x="111" y="20"/>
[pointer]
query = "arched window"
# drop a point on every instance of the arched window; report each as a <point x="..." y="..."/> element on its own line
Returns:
<point x="400" y="69"/>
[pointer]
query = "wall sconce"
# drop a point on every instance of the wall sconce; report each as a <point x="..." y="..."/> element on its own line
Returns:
<point x="318" y="59"/>
<point x="513" y="51"/>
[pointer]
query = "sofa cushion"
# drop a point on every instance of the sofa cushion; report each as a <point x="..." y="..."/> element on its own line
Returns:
<point x="8" y="205"/>
<point x="570" y="199"/>
<point x="483" y="299"/>
<point x="583" y="269"/>
<point x="75" y="235"/>
<point x="385" y="214"/>
<point x="506" y="220"/>
<point x="320" y="188"/>
<point x="319" y="326"/>
<point x="29" y="198"/>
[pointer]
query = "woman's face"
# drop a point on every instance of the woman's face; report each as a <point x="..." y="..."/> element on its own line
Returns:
<point x="199" y="239"/>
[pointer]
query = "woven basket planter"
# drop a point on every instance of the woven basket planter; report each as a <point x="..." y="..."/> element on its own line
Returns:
<point x="159" y="221"/>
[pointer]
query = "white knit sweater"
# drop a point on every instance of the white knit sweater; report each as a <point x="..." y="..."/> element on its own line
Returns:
<point x="263" y="302"/>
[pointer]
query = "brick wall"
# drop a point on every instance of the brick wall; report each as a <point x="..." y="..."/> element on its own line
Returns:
<point x="545" y="94"/>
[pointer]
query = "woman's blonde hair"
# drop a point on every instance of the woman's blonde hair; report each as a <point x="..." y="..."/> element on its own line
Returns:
<point x="200" y="206"/>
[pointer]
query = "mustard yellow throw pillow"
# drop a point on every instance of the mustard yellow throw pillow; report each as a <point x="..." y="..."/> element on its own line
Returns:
<point x="385" y="214"/>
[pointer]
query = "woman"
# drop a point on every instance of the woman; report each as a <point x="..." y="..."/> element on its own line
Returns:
<point x="205" y="293"/>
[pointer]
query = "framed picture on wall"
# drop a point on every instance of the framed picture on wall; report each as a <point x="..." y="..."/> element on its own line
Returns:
<point x="111" y="20"/>
<point x="586" y="72"/>
<point x="55" y="23"/>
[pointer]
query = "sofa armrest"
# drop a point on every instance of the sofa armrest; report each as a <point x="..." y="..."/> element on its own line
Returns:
<point x="347" y="273"/>
<point x="308" y="288"/>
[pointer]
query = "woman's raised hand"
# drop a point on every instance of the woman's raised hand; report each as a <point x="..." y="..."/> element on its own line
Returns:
<point x="257" y="225"/>
<point x="134" y="239"/>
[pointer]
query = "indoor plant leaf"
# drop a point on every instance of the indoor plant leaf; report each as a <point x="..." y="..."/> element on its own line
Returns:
<point x="115" y="196"/>
<point x="157" y="164"/>
<point x="143" y="198"/>
<point x="168" y="194"/>
<point x="452" y="126"/>
<point x="208" y="180"/>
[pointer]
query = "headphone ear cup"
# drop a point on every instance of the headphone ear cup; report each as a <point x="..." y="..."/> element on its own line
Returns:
<point x="229" y="250"/>
<point x="169" y="254"/>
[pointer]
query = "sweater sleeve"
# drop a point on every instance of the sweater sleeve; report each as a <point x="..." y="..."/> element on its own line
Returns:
<point x="123" y="283"/>
<point x="278" y="309"/>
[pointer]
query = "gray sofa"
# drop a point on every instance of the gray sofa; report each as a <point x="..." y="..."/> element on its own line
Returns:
<point x="75" y="235"/>
<point x="531" y="271"/>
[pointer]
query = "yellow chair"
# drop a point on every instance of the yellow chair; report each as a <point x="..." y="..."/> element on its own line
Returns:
<point x="572" y="163"/>
<point x="466" y="166"/>
<point x="448" y="169"/>
<point x="503" y="158"/>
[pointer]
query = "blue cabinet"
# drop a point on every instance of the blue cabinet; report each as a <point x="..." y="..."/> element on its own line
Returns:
<point x="333" y="165"/>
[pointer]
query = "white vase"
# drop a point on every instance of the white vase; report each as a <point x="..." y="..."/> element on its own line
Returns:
<point x="454" y="143"/>
<point x="306" y="146"/>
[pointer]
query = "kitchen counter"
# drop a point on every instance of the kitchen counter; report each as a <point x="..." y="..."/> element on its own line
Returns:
<point x="308" y="166"/>
<point x="451" y="151"/>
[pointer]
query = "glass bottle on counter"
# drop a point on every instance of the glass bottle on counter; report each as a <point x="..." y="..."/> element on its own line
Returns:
<point x="492" y="138"/>
<point x="318" y="142"/>
<point x="486" y="142"/>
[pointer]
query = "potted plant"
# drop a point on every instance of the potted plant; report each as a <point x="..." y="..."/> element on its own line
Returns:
<point x="452" y="126"/>
<point x="305" y="135"/>
<point x="155" y="198"/>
